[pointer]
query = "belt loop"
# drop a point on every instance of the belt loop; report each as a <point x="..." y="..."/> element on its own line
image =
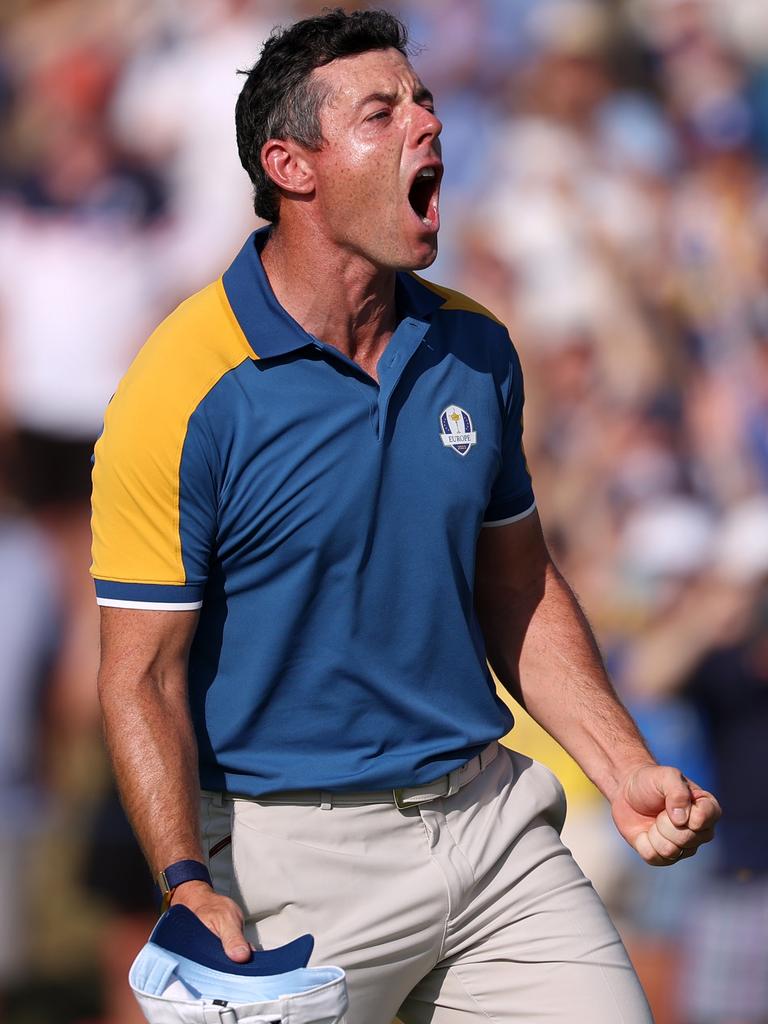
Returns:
<point x="217" y="798"/>
<point x="213" y="1013"/>
<point x="454" y="782"/>
<point x="326" y="800"/>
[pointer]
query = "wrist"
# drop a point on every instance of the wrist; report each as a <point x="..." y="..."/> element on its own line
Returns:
<point x="181" y="872"/>
<point x="188" y="892"/>
<point x="621" y="776"/>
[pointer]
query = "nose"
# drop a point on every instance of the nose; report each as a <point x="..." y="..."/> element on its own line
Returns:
<point x="427" y="125"/>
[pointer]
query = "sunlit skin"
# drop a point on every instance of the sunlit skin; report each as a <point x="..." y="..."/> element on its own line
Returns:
<point x="346" y="223"/>
<point x="380" y="128"/>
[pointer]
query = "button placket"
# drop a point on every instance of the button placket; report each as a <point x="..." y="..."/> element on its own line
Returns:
<point x="402" y="346"/>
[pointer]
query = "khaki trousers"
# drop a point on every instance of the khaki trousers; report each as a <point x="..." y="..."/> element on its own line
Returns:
<point x="461" y="910"/>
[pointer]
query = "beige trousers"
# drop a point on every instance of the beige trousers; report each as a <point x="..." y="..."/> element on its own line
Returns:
<point x="461" y="910"/>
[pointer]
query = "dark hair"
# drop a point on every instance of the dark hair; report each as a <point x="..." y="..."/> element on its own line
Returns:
<point x="279" y="99"/>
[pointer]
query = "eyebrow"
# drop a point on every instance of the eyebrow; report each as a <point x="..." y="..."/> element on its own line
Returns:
<point x="420" y="94"/>
<point x="423" y="95"/>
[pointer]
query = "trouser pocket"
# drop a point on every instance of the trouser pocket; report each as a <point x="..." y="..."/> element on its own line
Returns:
<point x="216" y="836"/>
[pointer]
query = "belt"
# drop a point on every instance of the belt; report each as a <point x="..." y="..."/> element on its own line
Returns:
<point x="447" y="785"/>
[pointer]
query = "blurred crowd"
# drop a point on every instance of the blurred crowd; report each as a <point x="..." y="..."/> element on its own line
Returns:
<point x="606" y="195"/>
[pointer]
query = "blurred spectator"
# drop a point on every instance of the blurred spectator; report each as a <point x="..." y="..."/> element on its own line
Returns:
<point x="710" y="649"/>
<point x="29" y="634"/>
<point x="665" y="552"/>
<point x="175" y="105"/>
<point x="725" y="975"/>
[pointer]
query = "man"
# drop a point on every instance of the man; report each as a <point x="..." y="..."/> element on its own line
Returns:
<point x="298" y="594"/>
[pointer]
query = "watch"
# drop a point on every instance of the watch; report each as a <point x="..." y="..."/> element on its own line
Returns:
<point x="176" y="874"/>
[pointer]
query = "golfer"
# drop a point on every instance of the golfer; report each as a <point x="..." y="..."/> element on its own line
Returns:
<point x="314" y="526"/>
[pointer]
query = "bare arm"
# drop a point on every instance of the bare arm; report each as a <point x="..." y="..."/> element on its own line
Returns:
<point x="542" y="649"/>
<point x="143" y="694"/>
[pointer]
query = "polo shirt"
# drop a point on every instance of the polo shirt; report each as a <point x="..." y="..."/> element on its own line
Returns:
<point x="324" y="523"/>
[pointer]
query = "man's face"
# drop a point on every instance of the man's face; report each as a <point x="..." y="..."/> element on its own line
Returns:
<point x="377" y="175"/>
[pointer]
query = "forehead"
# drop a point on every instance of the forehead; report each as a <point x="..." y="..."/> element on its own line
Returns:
<point x="350" y="78"/>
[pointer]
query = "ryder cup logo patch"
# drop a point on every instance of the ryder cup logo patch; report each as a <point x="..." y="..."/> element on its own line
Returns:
<point x="457" y="430"/>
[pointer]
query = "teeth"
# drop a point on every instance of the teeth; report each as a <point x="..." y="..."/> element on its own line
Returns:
<point x="426" y="172"/>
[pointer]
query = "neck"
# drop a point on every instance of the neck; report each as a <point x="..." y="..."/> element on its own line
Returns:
<point x="336" y="295"/>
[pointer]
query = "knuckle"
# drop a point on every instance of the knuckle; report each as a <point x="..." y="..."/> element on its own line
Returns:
<point x="672" y="777"/>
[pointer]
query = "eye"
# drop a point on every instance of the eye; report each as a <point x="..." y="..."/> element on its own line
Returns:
<point x="380" y="115"/>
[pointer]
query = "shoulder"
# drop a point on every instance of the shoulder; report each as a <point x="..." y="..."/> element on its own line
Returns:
<point x="456" y="302"/>
<point x="470" y="327"/>
<point x="186" y="355"/>
<point x="183" y="360"/>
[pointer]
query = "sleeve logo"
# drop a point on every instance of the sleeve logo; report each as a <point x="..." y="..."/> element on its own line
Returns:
<point x="457" y="431"/>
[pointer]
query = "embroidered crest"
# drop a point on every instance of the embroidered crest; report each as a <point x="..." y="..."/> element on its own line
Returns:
<point x="457" y="430"/>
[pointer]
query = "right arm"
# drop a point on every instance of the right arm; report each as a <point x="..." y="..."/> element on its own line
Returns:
<point x="148" y="729"/>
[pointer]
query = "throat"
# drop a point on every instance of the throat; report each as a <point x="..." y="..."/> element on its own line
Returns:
<point x="366" y="354"/>
<point x="342" y="301"/>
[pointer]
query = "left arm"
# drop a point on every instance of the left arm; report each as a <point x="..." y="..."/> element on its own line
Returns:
<point x="543" y="651"/>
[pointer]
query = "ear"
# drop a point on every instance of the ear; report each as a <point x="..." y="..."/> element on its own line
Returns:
<point x="285" y="162"/>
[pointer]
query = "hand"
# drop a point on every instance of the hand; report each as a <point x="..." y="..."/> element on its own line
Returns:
<point x="663" y="815"/>
<point x="219" y="913"/>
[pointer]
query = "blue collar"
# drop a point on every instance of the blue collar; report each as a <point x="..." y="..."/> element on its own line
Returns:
<point x="269" y="329"/>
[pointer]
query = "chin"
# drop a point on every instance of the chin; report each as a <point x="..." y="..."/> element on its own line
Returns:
<point x="420" y="256"/>
<point x="409" y="251"/>
<point x="428" y="259"/>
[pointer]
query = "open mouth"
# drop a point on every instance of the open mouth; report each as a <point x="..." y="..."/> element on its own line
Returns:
<point x="423" y="195"/>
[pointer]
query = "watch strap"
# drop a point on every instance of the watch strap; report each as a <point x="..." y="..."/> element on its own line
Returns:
<point x="176" y="874"/>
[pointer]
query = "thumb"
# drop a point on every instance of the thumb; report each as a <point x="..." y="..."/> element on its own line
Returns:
<point x="219" y="914"/>
<point x="235" y="945"/>
<point x="677" y="797"/>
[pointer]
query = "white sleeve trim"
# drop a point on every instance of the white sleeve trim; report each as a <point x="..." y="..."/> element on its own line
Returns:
<point x="150" y="606"/>
<point x="512" y="519"/>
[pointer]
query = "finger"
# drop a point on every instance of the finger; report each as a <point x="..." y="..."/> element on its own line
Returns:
<point x="647" y="851"/>
<point x="705" y="812"/>
<point x="700" y="838"/>
<point x="670" y="852"/>
<point x="697" y="839"/>
<point x="670" y="831"/>
<point x="665" y="848"/>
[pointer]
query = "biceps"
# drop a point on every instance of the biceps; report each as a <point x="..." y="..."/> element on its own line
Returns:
<point x="512" y="562"/>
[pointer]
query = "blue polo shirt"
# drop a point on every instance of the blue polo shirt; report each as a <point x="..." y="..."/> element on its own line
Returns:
<point x="324" y="524"/>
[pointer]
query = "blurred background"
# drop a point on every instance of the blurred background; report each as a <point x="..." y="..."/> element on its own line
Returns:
<point x="606" y="195"/>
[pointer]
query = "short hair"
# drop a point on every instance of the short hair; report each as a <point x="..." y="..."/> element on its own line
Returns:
<point x="281" y="101"/>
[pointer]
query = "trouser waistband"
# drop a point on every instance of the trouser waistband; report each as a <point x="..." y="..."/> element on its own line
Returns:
<point x="447" y="785"/>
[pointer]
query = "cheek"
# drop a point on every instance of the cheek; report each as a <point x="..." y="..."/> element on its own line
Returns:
<point x="358" y="176"/>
